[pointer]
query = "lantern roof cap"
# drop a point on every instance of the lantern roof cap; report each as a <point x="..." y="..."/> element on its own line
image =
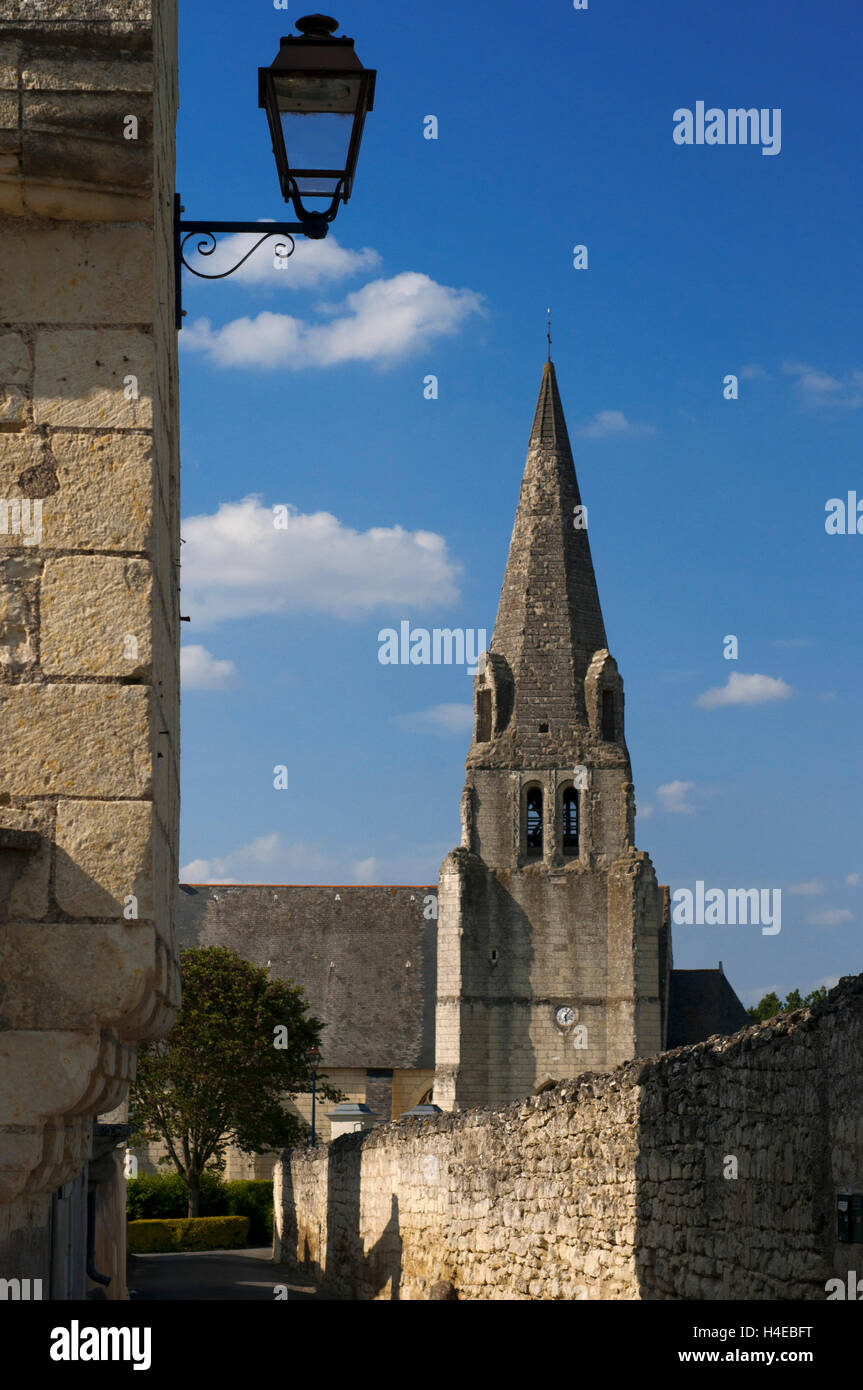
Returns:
<point x="316" y="46"/>
<point x="313" y="25"/>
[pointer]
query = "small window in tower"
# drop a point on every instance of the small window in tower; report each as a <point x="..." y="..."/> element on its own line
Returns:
<point x="543" y="728"/>
<point x="533" y="806"/>
<point x="483" y="716"/>
<point x="570" y="821"/>
<point x="609" y="732"/>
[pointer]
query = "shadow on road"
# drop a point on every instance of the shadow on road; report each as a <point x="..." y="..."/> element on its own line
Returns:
<point x="214" y="1274"/>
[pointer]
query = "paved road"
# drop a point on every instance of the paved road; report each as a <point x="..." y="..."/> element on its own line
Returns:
<point x="218" y="1274"/>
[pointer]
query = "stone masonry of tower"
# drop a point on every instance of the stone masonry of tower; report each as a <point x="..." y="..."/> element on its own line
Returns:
<point x="554" y="952"/>
<point x="89" y="618"/>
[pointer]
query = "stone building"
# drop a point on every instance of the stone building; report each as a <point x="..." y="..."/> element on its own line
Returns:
<point x="728" y="1170"/>
<point x="545" y="951"/>
<point x="89" y="616"/>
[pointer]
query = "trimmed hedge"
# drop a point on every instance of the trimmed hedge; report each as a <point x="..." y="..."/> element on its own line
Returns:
<point x="188" y="1233"/>
<point x="159" y="1196"/>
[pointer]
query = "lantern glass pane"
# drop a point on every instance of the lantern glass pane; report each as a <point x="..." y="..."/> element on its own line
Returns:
<point x="317" y="147"/>
<point x="310" y="92"/>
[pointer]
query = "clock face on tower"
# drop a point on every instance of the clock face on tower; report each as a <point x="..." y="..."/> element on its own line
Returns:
<point x="564" y="1017"/>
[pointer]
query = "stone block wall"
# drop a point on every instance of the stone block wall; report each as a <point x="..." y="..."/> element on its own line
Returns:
<point x="89" y="565"/>
<point x="613" y="1186"/>
<point x="513" y="947"/>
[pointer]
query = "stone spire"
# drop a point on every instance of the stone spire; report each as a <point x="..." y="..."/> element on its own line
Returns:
<point x="549" y="621"/>
<point x="548" y="915"/>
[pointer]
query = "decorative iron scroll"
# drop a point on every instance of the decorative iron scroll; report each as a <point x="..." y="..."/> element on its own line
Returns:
<point x="204" y="248"/>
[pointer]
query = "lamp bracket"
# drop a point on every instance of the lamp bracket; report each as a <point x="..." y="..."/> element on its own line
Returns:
<point x="314" y="226"/>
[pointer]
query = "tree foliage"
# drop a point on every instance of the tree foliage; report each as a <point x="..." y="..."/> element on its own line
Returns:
<point x="771" y="1004"/>
<point x="219" y="1079"/>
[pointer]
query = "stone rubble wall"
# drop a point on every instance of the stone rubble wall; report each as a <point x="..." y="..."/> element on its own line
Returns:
<point x="614" y="1186"/>
<point x="494" y="1202"/>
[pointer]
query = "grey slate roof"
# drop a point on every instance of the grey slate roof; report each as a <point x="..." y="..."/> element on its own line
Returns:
<point x="365" y="956"/>
<point x="702" y="1003"/>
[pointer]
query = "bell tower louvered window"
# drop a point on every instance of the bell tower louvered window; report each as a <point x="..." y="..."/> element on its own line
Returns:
<point x="570" y="821"/>
<point x="533" y="812"/>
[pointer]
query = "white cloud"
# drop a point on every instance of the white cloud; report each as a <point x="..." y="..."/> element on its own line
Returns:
<point x="199" y="670"/>
<point x="820" y="390"/>
<point x="201" y="871"/>
<point x="236" y="564"/>
<point x="438" y="719"/>
<point x="251" y="861"/>
<point x="745" y="690"/>
<point x="268" y="859"/>
<point x="673" y="797"/>
<point x="611" y="424"/>
<point x="385" y="321"/>
<point x="644" y="812"/>
<point x="853" y="880"/>
<point x="752" y="371"/>
<point x="810" y="889"/>
<point x="833" y="917"/>
<point x="311" y="263"/>
<point x="365" y="870"/>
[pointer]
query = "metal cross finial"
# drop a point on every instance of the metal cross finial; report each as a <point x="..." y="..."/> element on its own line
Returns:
<point x="548" y="334"/>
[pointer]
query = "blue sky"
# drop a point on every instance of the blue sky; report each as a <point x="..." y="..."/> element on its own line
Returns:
<point x="707" y="515"/>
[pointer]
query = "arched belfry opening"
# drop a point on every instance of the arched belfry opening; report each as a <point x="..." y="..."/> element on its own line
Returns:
<point x="533" y="822"/>
<point x="569" y="821"/>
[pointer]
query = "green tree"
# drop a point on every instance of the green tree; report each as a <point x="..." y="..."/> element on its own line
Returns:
<point x="815" y="997"/>
<point x="766" y="1008"/>
<point x="771" y="1004"/>
<point x="236" y="1053"/>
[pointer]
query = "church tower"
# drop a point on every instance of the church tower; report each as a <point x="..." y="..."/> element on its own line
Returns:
<point x="553" y="939"/>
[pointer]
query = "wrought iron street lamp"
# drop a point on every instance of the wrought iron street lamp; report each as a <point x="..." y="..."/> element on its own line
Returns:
<point x="316" y="95"/>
